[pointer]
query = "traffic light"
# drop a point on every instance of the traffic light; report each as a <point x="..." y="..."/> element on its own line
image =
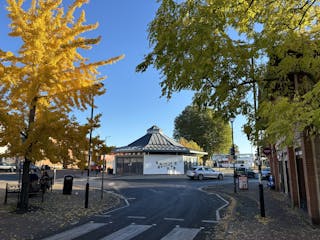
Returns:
<point x="232" y="153"/>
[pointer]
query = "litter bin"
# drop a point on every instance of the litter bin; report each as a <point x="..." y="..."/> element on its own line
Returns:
<point x="110" y="171"/>
<point x="67" y="184"/>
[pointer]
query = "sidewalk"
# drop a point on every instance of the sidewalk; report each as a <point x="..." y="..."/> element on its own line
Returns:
<point x="56" y="212"/>
<point x="242" y="220"/>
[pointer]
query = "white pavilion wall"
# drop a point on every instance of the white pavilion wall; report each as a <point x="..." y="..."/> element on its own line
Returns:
<point x="163" y="164"/>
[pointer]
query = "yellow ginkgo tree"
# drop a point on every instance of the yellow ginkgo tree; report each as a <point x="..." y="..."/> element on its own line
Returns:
<point x="46" y="79"/>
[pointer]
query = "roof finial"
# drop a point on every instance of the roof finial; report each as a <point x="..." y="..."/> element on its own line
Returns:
<point x="154" y="129"/>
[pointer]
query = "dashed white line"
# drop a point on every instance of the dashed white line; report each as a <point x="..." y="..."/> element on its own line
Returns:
<point x="137" y="217"/>
<point x="209" y="221"/>
<point x="103" y="215"/>
<point x="174" y="219"/>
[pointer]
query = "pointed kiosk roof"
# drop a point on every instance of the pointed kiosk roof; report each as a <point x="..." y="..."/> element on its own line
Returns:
<point x="154" y="142"/>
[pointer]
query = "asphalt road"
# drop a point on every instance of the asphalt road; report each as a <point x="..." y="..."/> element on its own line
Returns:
<point x="167" y="208"/>
<point x="174" y="208"/>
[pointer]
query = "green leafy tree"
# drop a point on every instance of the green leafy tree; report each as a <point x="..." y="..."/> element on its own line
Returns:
<point x="205" y="128"/>
<point x="219" y="49"/>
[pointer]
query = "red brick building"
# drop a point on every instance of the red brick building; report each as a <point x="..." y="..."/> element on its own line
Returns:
<point x="297" y="174"/>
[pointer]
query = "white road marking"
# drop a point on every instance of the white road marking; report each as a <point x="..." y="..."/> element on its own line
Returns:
<point x="131" y="198"/>
<point x="174" y="219"/>
<point x="137" y="217"/>
<point x="76" y="231"/>
<point x="127" y="233"/>
<point x="103" y="215"/>
<point x="181" y="234"/>
<point x="123" y="198"/>
<point x="218" y="210"/>
<point x="209" y="221"/>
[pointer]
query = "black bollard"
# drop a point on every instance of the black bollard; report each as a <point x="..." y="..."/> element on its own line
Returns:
<point x="262" y="210"/>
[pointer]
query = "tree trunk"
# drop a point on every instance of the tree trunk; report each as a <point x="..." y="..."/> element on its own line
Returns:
<point x="205" y="159"/>
<point x="23" y="203"/>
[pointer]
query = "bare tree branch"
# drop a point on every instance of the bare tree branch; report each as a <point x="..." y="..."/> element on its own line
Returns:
<point x="305" y="12"/>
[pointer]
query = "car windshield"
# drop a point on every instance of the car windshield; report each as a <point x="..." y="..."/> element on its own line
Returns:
<point x="196" y="168"/>
<point x="6" y="164"/>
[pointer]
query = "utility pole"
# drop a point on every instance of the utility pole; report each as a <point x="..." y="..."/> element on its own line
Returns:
<point x="233" y="159"/>
<point x="261" y="196"/>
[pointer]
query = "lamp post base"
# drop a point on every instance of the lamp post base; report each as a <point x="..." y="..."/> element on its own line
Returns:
<point x="234" y="179"/>
<point x="86" y="196"/>
<point x="262" y="210"/>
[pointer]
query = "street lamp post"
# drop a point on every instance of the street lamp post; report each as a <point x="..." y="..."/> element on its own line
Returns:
<point x="89" y="156"/>
<point x="255" y="103"/>
<point x="233" y="158"/>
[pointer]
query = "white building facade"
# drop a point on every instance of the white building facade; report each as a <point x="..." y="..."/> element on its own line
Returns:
<point x="154" y="153"/>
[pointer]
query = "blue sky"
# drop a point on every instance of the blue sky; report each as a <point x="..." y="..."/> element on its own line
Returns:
<point x="132" y="103"/>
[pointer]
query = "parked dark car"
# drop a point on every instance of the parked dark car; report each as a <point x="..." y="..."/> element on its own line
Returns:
<point x="45" y="167"/>
<point x="250" y="173"/>
<point x="32" y="168"/>
<point x="265" y="173"/>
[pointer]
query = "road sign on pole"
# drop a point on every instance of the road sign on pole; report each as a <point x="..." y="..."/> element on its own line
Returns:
<point x="267" y="151"/>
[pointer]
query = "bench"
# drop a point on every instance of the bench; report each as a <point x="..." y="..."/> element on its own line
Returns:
<point x="35" y="187"/>
<point x="15" y="189"/>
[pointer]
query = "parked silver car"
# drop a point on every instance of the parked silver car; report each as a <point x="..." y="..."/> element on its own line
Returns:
<point x="201" y="172"/>
<point x="7" y="167"/>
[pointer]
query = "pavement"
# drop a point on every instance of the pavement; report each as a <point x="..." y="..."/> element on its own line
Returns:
<point x="58" y="211"/>
<point x="241" y="219"/>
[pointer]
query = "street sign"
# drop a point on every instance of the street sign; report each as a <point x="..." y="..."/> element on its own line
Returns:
<point x="243" y="182"/>
<point x="266" y="150"/>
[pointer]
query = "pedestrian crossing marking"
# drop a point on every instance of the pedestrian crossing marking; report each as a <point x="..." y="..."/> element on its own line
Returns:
<point x="76" y="231"/>
<point x="181" y="234"/>
<point x="125" y="233"/>
<point x="128" y="232"/>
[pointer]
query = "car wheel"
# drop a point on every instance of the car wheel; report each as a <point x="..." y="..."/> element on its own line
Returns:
<point x="220" y="177"/>
<point x="200" y="177"/>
